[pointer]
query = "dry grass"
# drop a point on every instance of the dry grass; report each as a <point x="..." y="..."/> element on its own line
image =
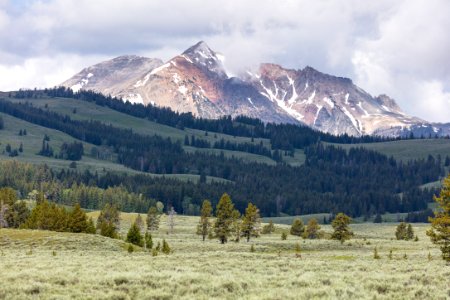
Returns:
<point x="48" y="265"/>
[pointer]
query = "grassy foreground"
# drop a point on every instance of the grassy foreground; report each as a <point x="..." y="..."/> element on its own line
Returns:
<point x="49" y="265"/>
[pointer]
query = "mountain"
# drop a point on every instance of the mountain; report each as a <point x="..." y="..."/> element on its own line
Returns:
<point x="196" y="81"/>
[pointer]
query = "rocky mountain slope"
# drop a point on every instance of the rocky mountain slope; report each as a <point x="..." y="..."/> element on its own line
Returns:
<point x="196" y="81"/>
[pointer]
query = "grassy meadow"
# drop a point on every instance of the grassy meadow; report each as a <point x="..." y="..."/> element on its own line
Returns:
<point x="50" y="265"/>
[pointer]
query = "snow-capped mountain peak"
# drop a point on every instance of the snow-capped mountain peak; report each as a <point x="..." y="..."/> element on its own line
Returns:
<point x="195" y="81"/>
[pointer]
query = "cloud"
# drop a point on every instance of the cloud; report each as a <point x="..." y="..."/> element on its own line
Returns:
<point x="399" y="48"/>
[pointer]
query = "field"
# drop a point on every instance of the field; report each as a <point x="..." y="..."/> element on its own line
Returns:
<point x="49" y="265"/>
<point x="32" y="143"/>
<point x="408" y="149"/>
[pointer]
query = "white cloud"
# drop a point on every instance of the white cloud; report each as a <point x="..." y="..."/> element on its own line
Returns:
<point x="399" y="48"/>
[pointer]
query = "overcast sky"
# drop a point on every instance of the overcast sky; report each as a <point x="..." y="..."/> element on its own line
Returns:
<point x="399" y="48"/>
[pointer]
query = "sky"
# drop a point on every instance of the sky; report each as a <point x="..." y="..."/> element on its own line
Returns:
<point x="400" y="48"/>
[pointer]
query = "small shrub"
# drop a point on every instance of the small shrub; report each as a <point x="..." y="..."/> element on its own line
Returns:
<point x="54" y="253"/>
<point x="283" y="236"/>
<point x="405" y="256"/>
<point x="165" y="247"/>
<point x="252" y="248"/>
<point x="416" y="239"/>
<point x="154" y="252"/>
<point x="429" y="256"/>
<point x="375" y="253"/>
<point x="390" y="254"/>
<point x="130" y="248"/>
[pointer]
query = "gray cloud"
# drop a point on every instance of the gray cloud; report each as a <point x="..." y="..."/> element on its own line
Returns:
<point x="400" y="48"/>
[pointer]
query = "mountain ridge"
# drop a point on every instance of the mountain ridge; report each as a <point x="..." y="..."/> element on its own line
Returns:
<point x="196" y="81"/>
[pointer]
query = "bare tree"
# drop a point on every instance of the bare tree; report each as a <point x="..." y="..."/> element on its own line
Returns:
<point x="3" y="210"/>
<point x="171" y="219"/>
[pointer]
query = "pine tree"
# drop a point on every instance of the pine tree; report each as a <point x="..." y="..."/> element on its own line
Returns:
<point x="224" y="218"/>
<point x="109" y="221"/>
<point x="401" y="231"/>
<point x="409" y="233"/>
<point x="236" y="225"/>
<point x="204" y="226"/>
<point x="378" y="219"/>
<point x="90" y="226"/>
<point x="251" y="222"/>
<point x="153" y="217"/>
<point x="269" y="228"/>
<point x="440" y="224"/>
<point x="134" y="235"/>
<point x="283" y="236"/>
<point x="148" y="240"/>
<point x="375" y="253"/>
<point x="78" y="220"/>
<point x="165" y="247"/>
<point x="312" y="229"/>
<point x="297" y="227"/>
<point x="342" y="231"/>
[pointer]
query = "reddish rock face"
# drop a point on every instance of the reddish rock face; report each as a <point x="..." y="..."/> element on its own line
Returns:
<point x="196" y="81"/>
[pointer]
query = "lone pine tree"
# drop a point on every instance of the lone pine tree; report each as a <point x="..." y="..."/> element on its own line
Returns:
<point x="297" y="227"/>
<point x="342" y="231"/>
<point x="153" y="217"/>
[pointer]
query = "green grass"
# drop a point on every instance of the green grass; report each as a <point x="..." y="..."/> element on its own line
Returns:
<point x="91" y="111"/>
<point x="49" y="265"/>
<point x="408" y="149"/>
<point x="32" y="143"/>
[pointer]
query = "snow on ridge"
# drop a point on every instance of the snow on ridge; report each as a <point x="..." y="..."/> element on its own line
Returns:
<point x="365" y="111"/>
<point x="76" y="87"/>
<point x="294" y="92"/>
<point x="281" y="103"/>
<point x="311" y="98"/>
<point x="182" y="89"/>
<point x="156" y="70"/>
<point x="89" y="75"/>
<point x="352" y="119"/>
<point x="134" y="98"/>
<point x="329" y="101"/>
<point x="306" y="86"/>
<point x="187" y="58"/>
<point x="346" y="98"/>
<point x="319" y="108"/>
<point x="251" y="102"/>
<point x="386" y="108"/>
<point x="176" y="78"/>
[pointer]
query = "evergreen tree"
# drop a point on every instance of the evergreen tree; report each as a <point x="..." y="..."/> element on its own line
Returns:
<point x="312" y="229"/>
<point x="204" y="225"/>
<point x="2" y="123"/>
<point x="440" y="224"/>
<point x="134" y="235"/>
<point x="236" y="225"/>
<point x="251" y="222"/>
<point x="109" y="221"/>
<point x="153" y="217"/>
<point x="342" y="231"/>
<point x="401" y="232"/>
<point x="378" y="219"/>
<point x="283" y="236"/>
<point x="297" y="227"/>
<point x="269" y="228"/>
<point x="78" y="220"/>
<point x="165" y="247"/>
<point x="148" y="240"/>
<point x="90" y="226"/>
<point x="409" y="232"/>
<point x="224" y="218"/>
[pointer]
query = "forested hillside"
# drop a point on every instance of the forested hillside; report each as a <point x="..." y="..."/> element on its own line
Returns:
<point x="358" y="181"/>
